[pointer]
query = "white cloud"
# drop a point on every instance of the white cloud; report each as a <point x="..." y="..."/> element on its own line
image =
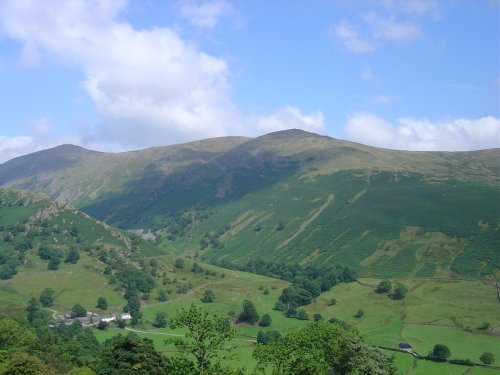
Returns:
<point x="424" y="135"/>
<point x="290" y="118"/>
<point x="388" y="29"/>
<point x="386" y="99"/>
<point x="368" y="75"/>
<point x="150" y="86"/>
<point x="30" y="56"/>
<point x="349" y="36"/>
<point x="413" y="7"/>
<point x="10" y="147"/>
<point x="204" y="13"/>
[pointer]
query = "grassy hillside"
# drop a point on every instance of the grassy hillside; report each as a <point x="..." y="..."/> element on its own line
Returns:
<point x="290" y="196"/>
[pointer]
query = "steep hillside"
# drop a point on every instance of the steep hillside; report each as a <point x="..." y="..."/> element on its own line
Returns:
<point x="294" y="196"/>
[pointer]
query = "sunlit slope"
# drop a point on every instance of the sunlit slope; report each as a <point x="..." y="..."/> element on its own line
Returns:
<point x="294" y="196"/>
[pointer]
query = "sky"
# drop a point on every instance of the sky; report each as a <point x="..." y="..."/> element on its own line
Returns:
<point x="118" y="75"/>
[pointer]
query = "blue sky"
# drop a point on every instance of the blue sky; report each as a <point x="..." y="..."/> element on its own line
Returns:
<point x="117" y="75"/>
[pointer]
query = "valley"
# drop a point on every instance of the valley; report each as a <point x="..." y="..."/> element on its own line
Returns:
<point x="171" y="223"/>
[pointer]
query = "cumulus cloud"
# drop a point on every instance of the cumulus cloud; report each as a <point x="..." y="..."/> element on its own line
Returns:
<point x="424" y="135"/>
<point x="150" y="86"/>
<point x="10" y="147"/>
<point x="349" y="36"/>
<point x="388" y="21"/>
<point x="288" y="118"/>
<point x="204" y="13"/>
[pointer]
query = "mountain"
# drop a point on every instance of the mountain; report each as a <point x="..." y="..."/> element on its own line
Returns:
<point x="289" y="196"/>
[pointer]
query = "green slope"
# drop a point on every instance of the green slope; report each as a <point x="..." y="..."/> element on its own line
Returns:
<point x="293" y="196"/>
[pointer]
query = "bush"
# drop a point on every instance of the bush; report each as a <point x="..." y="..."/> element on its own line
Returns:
<point x="160" y="320"/>
<point x="47" y="297"/>
<point x="208" y="296"/>
<point x="487" y="358"/>
<point x="439" y="353"/>
<point x="179" y="263"/>
<point x="464" y="362"/>
<point x="102" y="325"/>
<point x="384" y="286"/>
<point x="317" y="317"/>
<point x="359" y="313"/>
<point x="78" y="311"/>
<point x="332" y="302"/>
<point x="303" y="315"/>
<point x="399" y="292"/>
<point x="265" y="321"/>
<point x="249" y="313"/>
<point x="267" y="337"/>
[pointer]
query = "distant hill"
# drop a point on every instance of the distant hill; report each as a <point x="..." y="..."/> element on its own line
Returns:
<point x="289" y="196"/>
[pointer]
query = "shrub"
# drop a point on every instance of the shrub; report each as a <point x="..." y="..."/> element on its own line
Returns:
<point x="265" y="321"/>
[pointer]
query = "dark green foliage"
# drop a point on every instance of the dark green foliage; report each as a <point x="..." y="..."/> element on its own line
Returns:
<point x="279" y="306"/>
<point x="207" y="336"/>
<point x="487" y="358"/>
<point x="73" y="256"/>
<point x="321" y="349"/>
<point x="102" y="325"/>
<point x="162" y="295"/>
<point x="302" y="315"/>
<point x="480" y="255"/>
<point x="102" y="303"/>
<point x="293" y="296"/>
<point x="359" y="313"/>
<point x="317" y="317"/>
<point x="133" y="305"/>
<point x="54" y="264"/>
<point x="399" y="291"/>
<point x="179" y="263"/>
<point x="78" y="311"/>
<point x="249" y="313"/>
<point x="196" y="268"/>
<point x="132" y="277"/>
<point x="265" y="337"/>
<point x="208" y="296"/>
<point x="47" y="297"/>
<point x="332" y="302"/>
<point x="265" y="321"/>
<point x="439" y="353"/>
<point x="385" y="286"/>
<point x="484" y="326"/>
<point x="131" y="355"/>
<point x="338" y="322"/>
<point x="464" y="362"/>
<point x="160" y="320"/>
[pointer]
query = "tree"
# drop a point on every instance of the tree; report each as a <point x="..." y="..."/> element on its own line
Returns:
<point x="385" y="286"/>
<point x="487" y="358"/>
<point x="131" y="355"/>
<point x="359" y="313"/>
<point x="26" y="364"/>
<point x="102" y="303"/>
<point x="196" y="268"/>
<point x="160" y="320"/>
<point x="78" y="311"/>
<point x="440" y="353"/>
<point x="265" y="321"/>
<point x="249" y="313"/>
<point x="47" y="297"/>
<point x="207" y="335"/>
<point x="162" y="296"/>
<point x="317" y="317"/>
<point x="54" y="263"/>
<point x="302" y="315"/>
<point x="179" y="263"/>
<point x="32" y="309"/>
<point x="73" y="256"/>
<point x="332" y="302"/>
<point x="265" y="337"/>
<point x="15" y="336"/>
<point x="399" y="292"/>
<point x="323" y="348"/>
<point x="208" y="296"/>
<point x="102" y="325"/>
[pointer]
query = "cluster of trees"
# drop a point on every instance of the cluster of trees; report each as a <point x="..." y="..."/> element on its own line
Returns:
<point x="397" y="291"/>
<point x="307" y="282"/>
<point x="441" y="353"/>
<point x="33" y="347"/>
